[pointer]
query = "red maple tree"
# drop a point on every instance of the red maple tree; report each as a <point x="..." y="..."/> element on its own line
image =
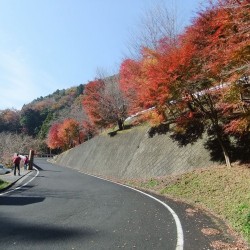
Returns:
<point x="196" y="79"/>
<point x="104" y="104"/>
<point x="65" y="135"/>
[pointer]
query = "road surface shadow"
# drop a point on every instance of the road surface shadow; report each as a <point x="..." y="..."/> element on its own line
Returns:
<point x="19" y="201"/>
<point x="40" y="232"/>
<point x="41" y="169"/>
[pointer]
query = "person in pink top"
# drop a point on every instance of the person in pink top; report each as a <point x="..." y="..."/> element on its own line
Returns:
<point x="26" y="162"/>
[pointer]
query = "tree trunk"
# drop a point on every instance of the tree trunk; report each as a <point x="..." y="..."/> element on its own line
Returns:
<point x="120" y="124"/>
<point x="224" y="150"/>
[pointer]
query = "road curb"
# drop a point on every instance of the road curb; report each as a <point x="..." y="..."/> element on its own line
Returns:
<point x="11" y="183"/>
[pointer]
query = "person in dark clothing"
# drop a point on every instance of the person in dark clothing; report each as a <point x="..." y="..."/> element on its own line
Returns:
<point x="16" y="162"/>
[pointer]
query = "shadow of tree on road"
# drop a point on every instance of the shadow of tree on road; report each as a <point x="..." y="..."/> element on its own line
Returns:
<point x="19" y="201"/>
<point x="28" y="231"/>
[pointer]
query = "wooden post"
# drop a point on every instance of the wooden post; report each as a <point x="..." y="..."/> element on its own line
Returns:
<point x="31" y="159"/>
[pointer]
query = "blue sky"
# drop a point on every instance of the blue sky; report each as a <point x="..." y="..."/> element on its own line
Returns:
<point x="47" y="45"/>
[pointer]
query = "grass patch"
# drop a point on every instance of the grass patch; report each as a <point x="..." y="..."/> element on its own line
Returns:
<point x="3" y="184"/>
<point x="127" y="128"/>
<point x="224" y="191"/>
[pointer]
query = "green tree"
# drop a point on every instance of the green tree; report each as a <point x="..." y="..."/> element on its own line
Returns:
<point x="32" y="120"/>
<point x="45" y="126"/>
<point x="79" y="89"/>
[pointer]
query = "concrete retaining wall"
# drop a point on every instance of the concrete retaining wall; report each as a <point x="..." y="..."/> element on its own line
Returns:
<point x="132" y="154"/>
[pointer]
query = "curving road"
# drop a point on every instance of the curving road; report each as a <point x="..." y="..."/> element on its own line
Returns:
<point x="60" y="208"/>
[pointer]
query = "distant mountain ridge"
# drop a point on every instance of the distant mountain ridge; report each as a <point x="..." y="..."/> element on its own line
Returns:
<point x="51" y="108"/>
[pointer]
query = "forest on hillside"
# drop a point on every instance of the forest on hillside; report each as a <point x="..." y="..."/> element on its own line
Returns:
<point x="25" y="129"/>
<point x="191" y="82"/>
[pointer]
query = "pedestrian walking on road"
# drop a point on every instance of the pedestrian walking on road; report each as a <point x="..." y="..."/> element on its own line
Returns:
<point x="16" y="162"/>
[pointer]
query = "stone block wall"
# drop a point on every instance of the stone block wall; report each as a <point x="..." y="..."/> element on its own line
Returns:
<point x="133" y="154"/>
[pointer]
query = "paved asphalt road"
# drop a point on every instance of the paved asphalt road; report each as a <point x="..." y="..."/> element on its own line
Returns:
<point x="63" y="209"/>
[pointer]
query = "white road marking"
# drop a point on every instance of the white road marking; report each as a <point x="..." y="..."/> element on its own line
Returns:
<point x="19" y="187"/>
<point x="180" y="235"/>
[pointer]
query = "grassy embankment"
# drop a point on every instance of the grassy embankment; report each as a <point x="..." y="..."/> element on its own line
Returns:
<point x="3" y="184"/>
<point x="223" y="191"/>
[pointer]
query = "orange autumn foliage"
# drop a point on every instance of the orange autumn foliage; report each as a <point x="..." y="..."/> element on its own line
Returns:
<point x="65" y="135"/>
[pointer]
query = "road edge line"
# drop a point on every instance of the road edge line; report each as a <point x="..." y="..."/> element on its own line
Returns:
<point x="19" y="187"/>
<point x="180" y="235"/>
